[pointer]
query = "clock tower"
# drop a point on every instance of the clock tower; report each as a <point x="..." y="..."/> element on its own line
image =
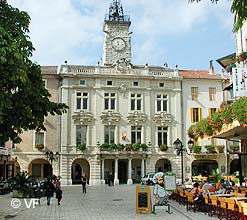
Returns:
<point x="117" y="41"/>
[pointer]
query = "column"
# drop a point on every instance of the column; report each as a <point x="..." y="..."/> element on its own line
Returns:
<point x="103" y="172"/>
<point x="130" y="181"/>
<point x="116" y="180"/>
<point x="142" y="168"/>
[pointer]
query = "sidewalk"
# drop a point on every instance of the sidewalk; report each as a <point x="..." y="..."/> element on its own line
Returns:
<point x="100" y="203"/>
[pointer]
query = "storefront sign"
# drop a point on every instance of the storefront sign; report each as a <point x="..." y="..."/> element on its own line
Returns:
<point x="239" y="78"/>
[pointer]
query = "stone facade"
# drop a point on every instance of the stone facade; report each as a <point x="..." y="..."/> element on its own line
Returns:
<point x="118" y="103"/>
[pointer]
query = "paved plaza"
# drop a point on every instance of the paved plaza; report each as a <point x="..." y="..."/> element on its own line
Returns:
<point x="100" y="203"/>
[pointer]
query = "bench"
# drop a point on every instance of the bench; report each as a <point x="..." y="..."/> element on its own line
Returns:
<point x="162" y="205"/>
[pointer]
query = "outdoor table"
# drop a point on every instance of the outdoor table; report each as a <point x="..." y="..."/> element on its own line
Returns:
<point x="239" y="198"/>
<point x="223" y="195"/>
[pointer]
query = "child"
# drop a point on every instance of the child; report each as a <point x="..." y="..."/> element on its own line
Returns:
<point x="58" y="194"/>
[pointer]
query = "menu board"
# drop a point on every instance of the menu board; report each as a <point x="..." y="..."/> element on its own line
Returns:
<point x="143" y="199"/>
<point x="170" y="182"/>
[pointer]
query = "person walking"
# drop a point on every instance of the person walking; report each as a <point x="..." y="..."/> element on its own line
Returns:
<point x="58" y="194"/>
<point x="49" y="190"/>
<point x="84" y="183"/>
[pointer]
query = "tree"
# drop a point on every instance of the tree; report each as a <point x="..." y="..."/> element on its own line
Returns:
<point x="239" y="9"/>
<point x="24" y="100"/>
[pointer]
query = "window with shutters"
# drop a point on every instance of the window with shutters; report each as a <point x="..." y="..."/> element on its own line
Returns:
<point x="195" y="114"/>
<point x="212" y="94"/>
<point x="194" y="93"/>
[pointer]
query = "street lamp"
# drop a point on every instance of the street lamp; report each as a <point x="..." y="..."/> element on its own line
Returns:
<point x="51" y="156"/>
<point x="180" y="149"/>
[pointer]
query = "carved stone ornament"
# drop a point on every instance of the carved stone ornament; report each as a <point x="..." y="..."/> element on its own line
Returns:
<point x="83" y="117"/>
<point x="122" y="65"/>
<point x="162" y="118"/>
<point x="110" y="117"/>
<point x="136" y="118"/>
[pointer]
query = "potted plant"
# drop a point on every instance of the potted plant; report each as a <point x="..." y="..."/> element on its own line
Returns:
<point x="120" y="146"/>
<point x="22" y="188"/>
<point x="39" y="146"/>
<point x="136" y="147"/>
<point x="105" y="146"/>
<point x="128" y="147"/>
<point x="81" y="147"/>
<point x="197" y="149"/>
<point x="210" y="148"/>
<point x="163" y="147"/>
<point x="234" y="148"/>
<point x="220" y="148"/>
<point x="144" y="147"/>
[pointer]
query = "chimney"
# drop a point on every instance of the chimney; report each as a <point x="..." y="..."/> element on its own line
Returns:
<point x="211" y="67"/>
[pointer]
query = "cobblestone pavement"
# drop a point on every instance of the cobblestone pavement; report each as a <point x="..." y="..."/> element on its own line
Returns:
<point x="100" y="203"/>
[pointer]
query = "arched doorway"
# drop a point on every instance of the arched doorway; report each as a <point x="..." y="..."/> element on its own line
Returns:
<point x="78" y="168"/>
<point x="40" y="168"/>
<point x="203" y="167"/>
<point x="163" y="165"/>
<point x="234" y="166"/>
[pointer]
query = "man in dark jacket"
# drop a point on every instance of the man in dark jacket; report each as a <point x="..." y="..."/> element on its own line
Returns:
<point x="49" y="190"/>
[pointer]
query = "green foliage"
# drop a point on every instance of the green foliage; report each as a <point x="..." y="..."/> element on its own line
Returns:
<point x="220" y="148"/>
<point x="24" y="100"/>
<point x="239" y="8"/>
<point x="163" y="147"/>
<point x="197" y="149"/>
<point x="104" y="146"/>
<point x="236" y="110"/>
<point x="234" y="148"/>
<point x="23" y="184"/>
<point x="81" y="147"/>
<point x="120" y="146"/>
<point x="144" y="147"/>
<point x="216" y="176"/>
<point x="210" y="148"/>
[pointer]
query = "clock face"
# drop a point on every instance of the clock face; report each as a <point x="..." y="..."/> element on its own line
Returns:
<point x="118" y="44"/>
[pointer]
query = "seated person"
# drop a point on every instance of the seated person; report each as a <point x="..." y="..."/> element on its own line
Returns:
<point x="206" y="186"/>
<point x="195" y="190"/>
<point x="161" y="195"/>
<point x="221" y="190"/>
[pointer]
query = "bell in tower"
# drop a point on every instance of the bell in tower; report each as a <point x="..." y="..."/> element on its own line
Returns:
<point x="116" y="11"/>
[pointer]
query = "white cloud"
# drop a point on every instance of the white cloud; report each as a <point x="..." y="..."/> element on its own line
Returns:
<point x="72" y="29"/>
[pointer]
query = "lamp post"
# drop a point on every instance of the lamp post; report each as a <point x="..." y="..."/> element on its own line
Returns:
<point x="180" y="149"/>
<point x="50" y="156"/>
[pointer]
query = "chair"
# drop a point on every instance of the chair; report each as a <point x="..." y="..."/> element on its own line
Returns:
<point x="222" y="208"/>
<point x="242" y="208"/>
<point x="208" y="203"/>
<point x="214" y="206"/>
<point x="211" y="189"/>
<point x="182" y="199"/>
<point x="231" y="209"/>
<point x="190" y="203"/>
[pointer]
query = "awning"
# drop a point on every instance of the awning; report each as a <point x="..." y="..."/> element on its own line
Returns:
<point x="233" y="131"/>
<point x="227" y="60"/>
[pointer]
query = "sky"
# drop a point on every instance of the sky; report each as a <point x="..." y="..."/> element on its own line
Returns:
<point x="164" y="31"/>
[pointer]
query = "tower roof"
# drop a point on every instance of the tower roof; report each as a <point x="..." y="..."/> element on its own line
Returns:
<point x="116" y="12"/>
